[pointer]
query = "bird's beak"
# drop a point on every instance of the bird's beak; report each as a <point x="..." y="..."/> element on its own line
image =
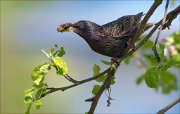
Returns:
<point x="67" y="27"/>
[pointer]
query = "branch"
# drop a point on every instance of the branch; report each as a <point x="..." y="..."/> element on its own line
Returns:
<point x="51" y="90"/>
<point x="170" y="17"/>
<point x="70" y="79"/>
<point x="104" y="86"/>
<point x="162" y="111"/>
<point x="147" y="16"/>
<point x="158" y="34"/>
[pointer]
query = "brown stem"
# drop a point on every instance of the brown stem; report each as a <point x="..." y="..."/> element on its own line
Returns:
<point x="103" y="87"/>
<point x="147" y="16"/>
<point x="159" y="32"/>
<point x="51" y="90"/>
<point x="162" y="111"/>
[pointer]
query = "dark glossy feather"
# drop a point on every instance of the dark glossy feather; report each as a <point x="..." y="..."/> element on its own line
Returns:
<point x="122" y="26"/>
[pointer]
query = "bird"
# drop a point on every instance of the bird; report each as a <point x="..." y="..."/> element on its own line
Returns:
<point x="111" y="39"/>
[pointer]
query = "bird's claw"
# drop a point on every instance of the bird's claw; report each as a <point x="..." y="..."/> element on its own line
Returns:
<point x="130" y="44"/>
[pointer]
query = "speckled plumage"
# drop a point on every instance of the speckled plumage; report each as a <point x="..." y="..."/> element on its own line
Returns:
<point x="109" y="39"/>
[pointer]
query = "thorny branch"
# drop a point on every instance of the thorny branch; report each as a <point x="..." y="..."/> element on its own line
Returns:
<point x="158" y="34"/>
<point x="170" y="17"/>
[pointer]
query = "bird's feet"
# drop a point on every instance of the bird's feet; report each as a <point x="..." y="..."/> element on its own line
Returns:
<point x="130" y="44"/>
<point x="115" y="61"/>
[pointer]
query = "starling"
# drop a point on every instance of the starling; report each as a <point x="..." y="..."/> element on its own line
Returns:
<point x="111" y="39"/>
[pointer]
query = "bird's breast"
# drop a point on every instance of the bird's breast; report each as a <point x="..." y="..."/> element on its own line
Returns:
<point x="108" y="46"/>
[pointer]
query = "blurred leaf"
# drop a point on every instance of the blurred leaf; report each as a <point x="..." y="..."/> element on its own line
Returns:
<point x="100" y="79"/>
<point x="127" y="59"/>
<point x="39" y="71"/>
<point x="160" y="50"/>
<point x="51" y="51"/>
<point x="28" y="100"/>
<point x="39" y="79"/>
<point x="59" y="52"/>
<point x="168" y="82"/>
<point x="96" y="88"/>
<point x="147" y="45"/>
<point x="61" y="65"/>
<point x="106" y="62"/>
<point x="151" y="77"/>
<point x="113" y="80"/>
<point x="96" y="69"/>
<point x="151" y="59"/>
<point x="140" y="79"/>
<point x="39" y="93"/>
<point x="37" y="104"/>
<point x="169" y="62"/>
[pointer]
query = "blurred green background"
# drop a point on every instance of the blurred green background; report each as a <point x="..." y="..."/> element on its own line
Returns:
<point x="29" y="26"/>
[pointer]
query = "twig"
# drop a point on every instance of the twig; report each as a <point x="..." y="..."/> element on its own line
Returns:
<point x="158" y="34"/>
<point x="162" y="111"/>
<point x="146" y="18"/>
<point x="70" y="79"/>
<point x="103" y="87"/>
<point x="111" y="73"/>
<point x="170" y="17"/>
<point x="51" y="90"/>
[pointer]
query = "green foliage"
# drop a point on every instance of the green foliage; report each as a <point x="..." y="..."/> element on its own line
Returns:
<point x="140" y="79"/>
<point x="160" y="51"/>
<point x="37" y="104"/>
<point x="151" y="77"/>
<point x="127" y="59"/>
<point x="106" y="62"/>
<point x="96" y="70"/>
<point x="167" y="82"/>
<point x="157" y="74"/>
<point x="150" y="59"/>
<point x="33" y="95"/>
<point x="96" y="88"/>
<point x="60" y="64"/>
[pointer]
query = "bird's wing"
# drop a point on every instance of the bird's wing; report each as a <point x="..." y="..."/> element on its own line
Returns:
<point x="122" y="26"/>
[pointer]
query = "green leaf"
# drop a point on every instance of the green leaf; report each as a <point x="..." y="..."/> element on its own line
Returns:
<point x="106" y="62"/>
<point x="147" y="45"/>
<point x="40" y="70"/>
<point x="28" y="95"/>
<point x="168" y="82"/>
<point x="39" y="80"/>
<point x="151" y="59"/>
<point x="28" y="100"/>
<point x="127" y="59"/>
<point x="96" y="69"/>
<point x="169" y="62"/>
<point x="160" y="50"/>
<point x="61" y="65"/>
<point x="151" y="77"/>
<point x="39" y="93"/>
<point x="37" y="104"/>
<point x="51" y="51"/>
<point x="96" y="88"/>
<point x="60" y="52"/>
<point x="140" y="79"/>
<point x="113" y="80"/>
<point x="100" y="79"/>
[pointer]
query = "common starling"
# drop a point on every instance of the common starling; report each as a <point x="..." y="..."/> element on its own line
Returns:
<point x="111" y="39"/>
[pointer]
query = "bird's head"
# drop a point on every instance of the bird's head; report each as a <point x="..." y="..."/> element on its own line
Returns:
<point x="71" y="27"/>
